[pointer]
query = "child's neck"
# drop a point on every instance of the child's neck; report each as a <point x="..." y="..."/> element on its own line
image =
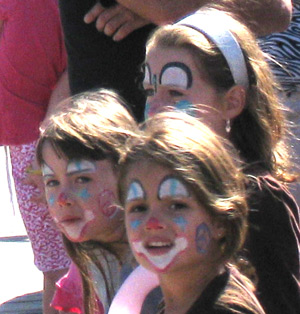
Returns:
<point x="182" y="289"/>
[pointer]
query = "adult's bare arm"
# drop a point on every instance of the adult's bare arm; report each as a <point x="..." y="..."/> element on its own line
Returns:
<point x="116" y="21"/>
<point x="262" y="16"/>
<point x="59" y="93"/>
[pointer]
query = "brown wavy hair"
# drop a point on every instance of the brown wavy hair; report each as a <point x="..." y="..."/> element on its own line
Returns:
<point x="259" y="132"/>
<point x="92" y="125"/>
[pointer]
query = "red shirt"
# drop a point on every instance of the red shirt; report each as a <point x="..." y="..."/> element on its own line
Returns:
<point x="32" y="59"/>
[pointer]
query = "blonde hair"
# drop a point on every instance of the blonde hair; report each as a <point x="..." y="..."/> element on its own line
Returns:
<point x="197" y="155"/>
<point x="93" y="125"/>
<point x="259" y="132"/>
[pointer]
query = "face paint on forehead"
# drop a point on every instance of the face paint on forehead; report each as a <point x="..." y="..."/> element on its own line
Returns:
<point x="46" y="170"/>
<point x="147" y="74"/>
<point x="173" y="187"/>
<point x="80" y="165"/>
<point x="135" y="191"/>
<point x="176" y="74"/>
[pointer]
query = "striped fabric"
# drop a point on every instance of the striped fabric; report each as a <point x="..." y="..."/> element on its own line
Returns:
<point x="285" y="49"/>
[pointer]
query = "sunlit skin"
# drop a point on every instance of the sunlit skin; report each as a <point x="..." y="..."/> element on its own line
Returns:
<point x="81" y="197"/>
<point x="172" y="92"/>
<point x="168" y="229"/>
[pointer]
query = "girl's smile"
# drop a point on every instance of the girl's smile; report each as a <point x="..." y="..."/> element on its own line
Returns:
<point x="166" y="225"/>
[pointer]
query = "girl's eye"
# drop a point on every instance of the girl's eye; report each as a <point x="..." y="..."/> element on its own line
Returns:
<point x="178" y="206"/>
<point x="83" y="180"/>
<point x="51" y="183"/>
<point x="175" y="93"/>
<point x="136" y="209"/>
<point x="148" y="92"/>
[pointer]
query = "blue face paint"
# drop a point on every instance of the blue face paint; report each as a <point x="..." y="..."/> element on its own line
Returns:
<point x="172" y="187"/>
<point x="135" y="224"/>
<point x="203" y="237"/>
<point x="147" y="110"/>
<point x="181" y="222"/>
<point x="135" y="191"/>
<point x="186" y="107"/>
<point x="51" y="200"/>
<point x="84" y="194"/>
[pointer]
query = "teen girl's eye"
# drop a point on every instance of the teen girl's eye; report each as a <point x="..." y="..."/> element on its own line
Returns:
<point x="148" y="90"/>
<point x="175" y="93"/>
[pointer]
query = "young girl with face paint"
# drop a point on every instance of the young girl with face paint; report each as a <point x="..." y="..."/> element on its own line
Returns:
<point x="210" y="66"/>
<point x="78" y="151"/>
<point x="186" y="215"/>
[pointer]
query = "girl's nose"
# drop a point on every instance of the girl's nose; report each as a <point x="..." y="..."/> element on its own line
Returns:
<point x="154" y="224"/>
<point x="64" y="200"/>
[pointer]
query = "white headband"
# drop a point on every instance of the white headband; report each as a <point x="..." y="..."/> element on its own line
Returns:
<point x="213" y="26"/>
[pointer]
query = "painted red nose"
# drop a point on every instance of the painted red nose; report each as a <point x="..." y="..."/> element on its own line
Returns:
<point x="153" y="224"/>
<point x="62" y="199"/>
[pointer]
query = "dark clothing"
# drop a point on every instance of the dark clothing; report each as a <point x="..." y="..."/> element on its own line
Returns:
<point x="273" y="245"/>
<point x="207" y="303"/>
<point x="95" y="60"/>
<point x="209" y="300"/>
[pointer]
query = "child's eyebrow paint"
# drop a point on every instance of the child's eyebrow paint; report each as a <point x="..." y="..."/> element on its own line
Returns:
<point x="80" y="165"/>
<point x="203" y="237"/>
<point x="46" y="170"/>
<point x="173" y="187"/>
<point x="135" y="191"/>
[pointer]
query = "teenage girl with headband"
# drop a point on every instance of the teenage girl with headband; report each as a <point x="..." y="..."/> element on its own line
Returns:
<point x="186" y="215"/>
<point x="209" y="65"/>
<point x="78" y="151"/>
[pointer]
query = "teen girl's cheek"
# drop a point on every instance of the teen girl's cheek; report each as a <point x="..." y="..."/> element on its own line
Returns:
<point x="107" y="203"/>
<point x="202" y="238"/>
<point x="186" y="106"/>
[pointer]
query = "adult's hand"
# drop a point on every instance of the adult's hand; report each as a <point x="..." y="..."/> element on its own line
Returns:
<point x="117" y="21"/>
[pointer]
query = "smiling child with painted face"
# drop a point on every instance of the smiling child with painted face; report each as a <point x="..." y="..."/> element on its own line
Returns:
<point x="209" y="65"/>
<point x="78" y="151"/>
<point x="185" y="214"/>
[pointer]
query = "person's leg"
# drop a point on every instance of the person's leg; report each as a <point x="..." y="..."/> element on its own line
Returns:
<point x="50" y="256"/>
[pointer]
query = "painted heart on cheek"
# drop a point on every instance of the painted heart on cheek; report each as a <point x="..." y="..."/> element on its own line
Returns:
<point x="107" y="203"/>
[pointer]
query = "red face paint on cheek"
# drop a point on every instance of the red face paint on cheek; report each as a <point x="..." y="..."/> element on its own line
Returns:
<point x="107" y="203"/>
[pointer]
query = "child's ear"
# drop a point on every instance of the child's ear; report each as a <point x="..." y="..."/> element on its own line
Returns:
<point x="235" y="100"/>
